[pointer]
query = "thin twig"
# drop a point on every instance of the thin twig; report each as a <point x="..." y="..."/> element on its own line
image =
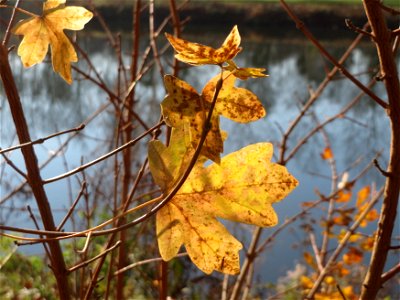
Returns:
<point x="85" y="263"/>
<point x="12" y="165"/>
<point x="144" y="262"/>
<point x="7" y="35"/>
<point x="378" y="166"/>
<point x="300" y="25"/>
<point x="71" y="209"/>
<point x="42" y="140"/>
<point x="390" y="274"/>
<point x="103" y="157"/>
<point x="351" y="26"/>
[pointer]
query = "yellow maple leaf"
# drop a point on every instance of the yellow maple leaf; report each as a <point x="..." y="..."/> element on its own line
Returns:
<point x="184" y="108"/>
<point x="41" y="31"/>
<point x="198" y="54"/>
<point x="237" y="104"/>
<point x="241" y="189"/>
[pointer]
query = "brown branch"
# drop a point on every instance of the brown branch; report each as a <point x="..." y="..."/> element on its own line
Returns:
<point x="71" y="209"/>
<point x="378" y="166"/>
<point x="389" y="9"/>
<point x="388" y="69"/>
<point x="351" y="26"/>
<point x="390" y="274"/>
<point x="33" y="172"/>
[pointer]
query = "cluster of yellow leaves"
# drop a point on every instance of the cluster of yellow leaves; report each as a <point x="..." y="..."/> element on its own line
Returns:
<point x="185" y="109"/>
<point x="48" y="29"/>
<point x="343" y="269"/>
<point x="330" y="291"/>
<point x="241" y="187"/>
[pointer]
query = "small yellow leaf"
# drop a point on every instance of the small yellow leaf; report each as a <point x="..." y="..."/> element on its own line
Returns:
<point x="237" y="104"/>
<point x="327" y="153"/>
<point x="343" y="196"/>
<point x="197" y="54"/>
<point x="244" y="73"/>
<point x="362" y="195"/>
<point x="309" y="259"/>
<point x="353" y="256"/>
<point x="367" y="244"/>
<point x="306" y="282"/>
<point x="352" y="239"/>
<point x="330" y="280"/>
<point x="183" y="108"/>
<point x="47" y="29"/>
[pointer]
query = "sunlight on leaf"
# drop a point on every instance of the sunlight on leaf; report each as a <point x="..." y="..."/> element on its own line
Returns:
<point x="197" y="54"/>
<point x="237" y="104"/>
<point x="41" y="31"/>
<point x="242" y="189"/>
<point x="184" y="108"/>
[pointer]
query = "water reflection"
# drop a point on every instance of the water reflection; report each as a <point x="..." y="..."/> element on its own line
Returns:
<point x="294" y="66"/>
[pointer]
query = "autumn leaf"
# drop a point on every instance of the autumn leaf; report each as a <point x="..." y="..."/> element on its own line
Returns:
<point x="184" y="108"/>
<point x="343" y="196"/>
<point x="242" y="189"/>
<point x="306" y="282"/>
<point x="41" y="31"/>
<point x="237" y="104"/>
<point x="362" y="195"/>
<point x="197" y="54"/>
<point x="327" y="153"/>
<point x="244" y="73"/>
<point x="353" y="256"/>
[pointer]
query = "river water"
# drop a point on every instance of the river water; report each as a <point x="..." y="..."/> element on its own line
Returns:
<point x="295" y="68"/>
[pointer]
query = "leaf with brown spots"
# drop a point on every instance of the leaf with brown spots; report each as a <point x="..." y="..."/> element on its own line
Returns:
<point x="184" y="108"/>
<point x="41" y="31"/>
<point x="237" y="104"/>
<point x="242" y="189"/>
<point x="198" y="54"/>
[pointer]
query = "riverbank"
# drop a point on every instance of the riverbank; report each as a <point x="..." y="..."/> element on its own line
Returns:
<point x="323" y="18"/>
